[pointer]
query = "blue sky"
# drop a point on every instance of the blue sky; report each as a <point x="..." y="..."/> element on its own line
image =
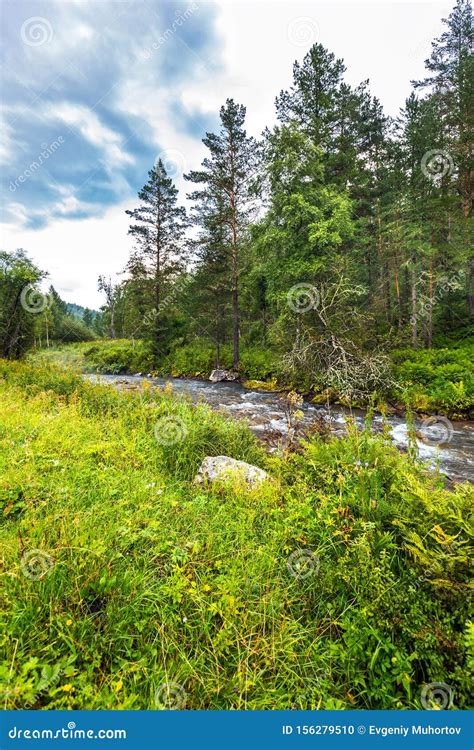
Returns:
<point x="94" y="90"/>
<point x="68" y="69"/>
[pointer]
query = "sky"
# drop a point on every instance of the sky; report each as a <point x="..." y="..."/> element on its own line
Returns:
<point x="94" y="91"/>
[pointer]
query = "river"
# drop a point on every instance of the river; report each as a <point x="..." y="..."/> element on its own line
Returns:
<point x="439" y="440"/>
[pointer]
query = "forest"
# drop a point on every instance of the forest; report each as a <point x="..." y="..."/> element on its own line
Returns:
<point x="307" y="256"/>
<point x="326" y="266"/>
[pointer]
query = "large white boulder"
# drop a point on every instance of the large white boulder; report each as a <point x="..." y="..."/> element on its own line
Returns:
<point x="221" y="468"/>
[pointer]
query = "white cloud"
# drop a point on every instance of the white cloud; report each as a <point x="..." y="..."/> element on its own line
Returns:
<point x="75" y="252"/>
<point x="152" y="106"/>
<point x="87" y="122"/>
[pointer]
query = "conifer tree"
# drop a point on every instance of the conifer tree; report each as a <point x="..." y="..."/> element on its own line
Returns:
<point x="158" y="228"/>
<point x="227" y="177"/>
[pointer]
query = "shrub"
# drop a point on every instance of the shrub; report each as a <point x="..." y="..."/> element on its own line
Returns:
<point x="437" y="379"/>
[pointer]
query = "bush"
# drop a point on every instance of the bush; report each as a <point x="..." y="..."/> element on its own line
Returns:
<point x="119" y="356"/>
<point x="439" y="380"/>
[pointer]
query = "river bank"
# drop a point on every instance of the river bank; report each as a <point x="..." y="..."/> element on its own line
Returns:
<point x="438" y="441"/>
<point x="430" y="382"/>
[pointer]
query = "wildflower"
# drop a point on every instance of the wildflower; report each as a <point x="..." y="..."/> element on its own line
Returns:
<point x="69" y="622"/>
<point x="185" y="619"/>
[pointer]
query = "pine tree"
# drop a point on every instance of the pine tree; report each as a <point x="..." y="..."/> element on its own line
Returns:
<point x="451" y="83"/>
<point x="228" y="175"/>
<point x="159" y="226"/>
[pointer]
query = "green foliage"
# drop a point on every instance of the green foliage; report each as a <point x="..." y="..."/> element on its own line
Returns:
<point x="437" y="379"/>
<point x="18" y="276"/>
<point x="153" y="579"/>
<point x="195" y="359"/>
<point x="198" y="359"/>
<point x="119" y="356"/>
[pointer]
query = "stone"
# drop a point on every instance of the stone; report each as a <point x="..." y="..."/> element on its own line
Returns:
<point x="217" y="375"/>
<point x="220" y="468"/>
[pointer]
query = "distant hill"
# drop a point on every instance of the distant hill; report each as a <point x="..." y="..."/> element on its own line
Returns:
<point x="77" y="311"/>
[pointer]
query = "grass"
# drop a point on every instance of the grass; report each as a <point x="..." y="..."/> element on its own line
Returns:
<point x="125" y="356"/>
<point x="435" y="381"/>
<point x="150" y="580"/>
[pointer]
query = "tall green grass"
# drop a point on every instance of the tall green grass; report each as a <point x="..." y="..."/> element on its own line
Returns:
<point x="341" y="584"/>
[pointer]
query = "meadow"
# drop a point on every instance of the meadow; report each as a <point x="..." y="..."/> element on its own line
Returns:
<point x="342" y="583"/>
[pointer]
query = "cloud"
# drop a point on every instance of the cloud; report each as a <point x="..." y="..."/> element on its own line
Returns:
<point x="75" y="252"/>
<point x="87" y="122"/>
<point x="88" y="74"/>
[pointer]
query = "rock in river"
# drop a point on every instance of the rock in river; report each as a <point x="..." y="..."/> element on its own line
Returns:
<point x="217" y="375"/>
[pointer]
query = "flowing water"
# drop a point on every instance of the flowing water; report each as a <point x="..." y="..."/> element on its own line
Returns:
<point x="449" y="443"/>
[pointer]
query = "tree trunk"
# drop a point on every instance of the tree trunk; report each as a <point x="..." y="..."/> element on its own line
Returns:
<point x="388" y="295"/>
<point x="235" y="322"/>
<point x="235" y="288"/>
<point x="112" y="322"/>
<point x="469" y="288"/>
<point x="429" y="334"/>
<point x="399" y="301"/>
<point x="414" y="312"/>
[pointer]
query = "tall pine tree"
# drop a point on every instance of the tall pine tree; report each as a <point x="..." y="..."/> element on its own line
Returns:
<point x="159" y="226"/>
<point x="227" y="177"/>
